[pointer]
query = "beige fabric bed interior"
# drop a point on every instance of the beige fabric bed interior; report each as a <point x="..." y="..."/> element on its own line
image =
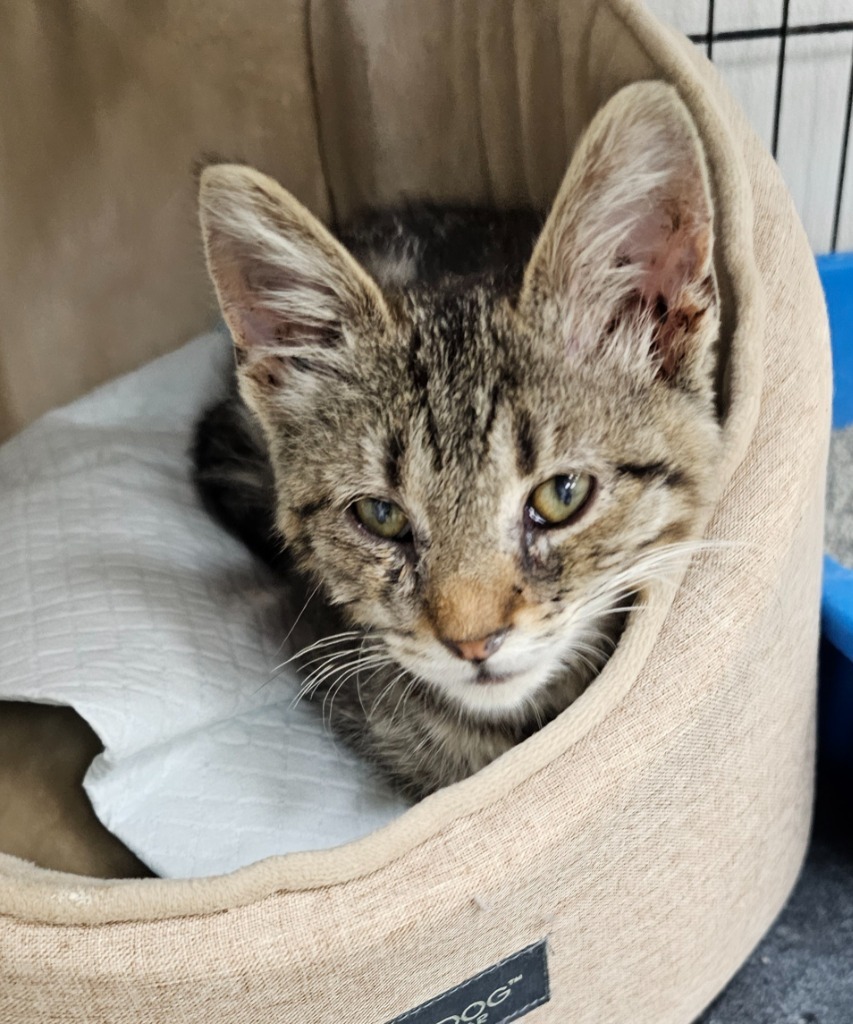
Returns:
<point x="654" y="830"/>
<point x="111" y="110"/>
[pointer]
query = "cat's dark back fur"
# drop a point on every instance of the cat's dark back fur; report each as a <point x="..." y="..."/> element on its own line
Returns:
<point x="432" y="244"/>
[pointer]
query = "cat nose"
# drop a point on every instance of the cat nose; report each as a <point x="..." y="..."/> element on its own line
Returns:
<point x="476" y="650"/>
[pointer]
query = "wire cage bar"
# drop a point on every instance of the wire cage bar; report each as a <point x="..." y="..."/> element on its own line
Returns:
<point x="710" y="38"/>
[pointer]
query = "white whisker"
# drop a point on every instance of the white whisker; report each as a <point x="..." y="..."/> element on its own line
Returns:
<point x="322" y="642"/>
<point x="308" y="600"/>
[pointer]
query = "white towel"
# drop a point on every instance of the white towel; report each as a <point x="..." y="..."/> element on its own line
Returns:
<point x="120" y="597"/>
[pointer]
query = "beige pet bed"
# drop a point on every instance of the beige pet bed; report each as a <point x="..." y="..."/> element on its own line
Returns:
<point x="652" y="832"/>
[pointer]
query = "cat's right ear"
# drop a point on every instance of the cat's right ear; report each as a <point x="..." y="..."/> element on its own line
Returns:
<point x="292" y="296"/>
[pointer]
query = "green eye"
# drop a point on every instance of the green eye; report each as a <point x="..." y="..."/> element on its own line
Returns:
<point x="383" y="518"/>
<point x="559" y="498"/>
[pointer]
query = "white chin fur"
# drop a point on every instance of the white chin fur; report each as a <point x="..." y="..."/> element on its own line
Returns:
<point x="490" y="700"/>
<point x="457" y="681"/>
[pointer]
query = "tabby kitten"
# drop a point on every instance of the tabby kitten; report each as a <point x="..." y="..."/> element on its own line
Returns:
<point x="474" y="434"/>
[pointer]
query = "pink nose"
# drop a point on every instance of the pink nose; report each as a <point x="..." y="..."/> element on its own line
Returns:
<point x="476" y="650"/>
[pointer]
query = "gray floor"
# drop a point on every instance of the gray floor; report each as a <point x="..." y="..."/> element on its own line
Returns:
<point x="802" y="973"/>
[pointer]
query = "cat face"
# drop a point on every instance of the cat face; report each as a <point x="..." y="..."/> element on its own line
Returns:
<point x="479" y="479"/>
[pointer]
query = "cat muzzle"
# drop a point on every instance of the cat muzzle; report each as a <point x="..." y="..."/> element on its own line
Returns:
<point x="477" y="651"/>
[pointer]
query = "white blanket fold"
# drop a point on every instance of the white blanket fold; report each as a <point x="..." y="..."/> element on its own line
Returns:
<point x="120" y="597"/>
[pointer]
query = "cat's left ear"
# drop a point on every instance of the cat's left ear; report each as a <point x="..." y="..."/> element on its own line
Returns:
<point x="623" y="267"/>
<point x="294" y="298"/>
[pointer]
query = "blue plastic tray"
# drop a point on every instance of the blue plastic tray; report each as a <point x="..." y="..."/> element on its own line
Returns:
<point x="836" y="668"/>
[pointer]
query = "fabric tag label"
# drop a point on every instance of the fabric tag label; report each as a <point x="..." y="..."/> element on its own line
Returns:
<point x="498" y="995"/>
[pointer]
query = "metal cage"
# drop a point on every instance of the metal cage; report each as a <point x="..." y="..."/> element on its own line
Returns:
<point x="783" y="31"/>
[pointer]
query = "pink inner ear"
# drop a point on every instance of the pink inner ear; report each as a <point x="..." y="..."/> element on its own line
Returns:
<point x="258" y="311"/>
<point x="672" y="249"/>
<point x="254" y="327"/>
<point x="254" y="331"/>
